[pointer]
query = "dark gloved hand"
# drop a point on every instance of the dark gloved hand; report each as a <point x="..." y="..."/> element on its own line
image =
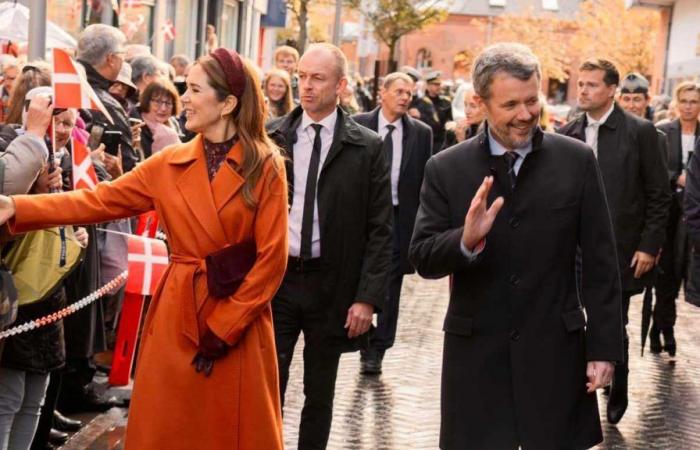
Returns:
<point x="211" y="348"/>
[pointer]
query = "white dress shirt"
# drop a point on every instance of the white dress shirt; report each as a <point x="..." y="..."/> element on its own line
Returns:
<point x="397" y="140"/>
<point x="302" y="157"/>
<point x="497" y="150"/>
<point x="592" y="127"/>
<point x="687" y="147"/>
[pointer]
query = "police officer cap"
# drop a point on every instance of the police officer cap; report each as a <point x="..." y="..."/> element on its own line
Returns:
<point x="411" y="72"/>
<point x="634" y="83"/>
<point x="433" y="76"/>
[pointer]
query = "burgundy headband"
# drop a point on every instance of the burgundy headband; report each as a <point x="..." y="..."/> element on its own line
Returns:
<point x="232" y="66"/>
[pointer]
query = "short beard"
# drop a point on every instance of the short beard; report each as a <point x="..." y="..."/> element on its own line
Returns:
<point x="502" y="136"/>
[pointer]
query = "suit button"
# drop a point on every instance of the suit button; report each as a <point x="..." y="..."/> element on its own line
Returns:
<point x="514" y="223"/>
<point x="514" y="335"/>
<point x="514" y="280"/>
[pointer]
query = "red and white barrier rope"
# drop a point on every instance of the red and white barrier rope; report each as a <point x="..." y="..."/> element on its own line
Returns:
<point x="67" y="311"/>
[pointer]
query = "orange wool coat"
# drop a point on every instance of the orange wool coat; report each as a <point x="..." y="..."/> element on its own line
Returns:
<point x="172" y="406"/>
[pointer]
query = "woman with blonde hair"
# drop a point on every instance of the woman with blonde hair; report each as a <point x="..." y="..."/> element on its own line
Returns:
<point x="207" y="373"/>
<point x="277" y="87"/>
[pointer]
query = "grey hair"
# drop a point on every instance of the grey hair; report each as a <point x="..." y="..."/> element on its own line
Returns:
<point x="394" y="77"/>
<point x="7" y="61"/>
<point x="180" y="59"/>
<point x="341" y="62"/>
<point x="97" y="41"/>
<point x="514" y="59"/>
<point x="145" y="65"/>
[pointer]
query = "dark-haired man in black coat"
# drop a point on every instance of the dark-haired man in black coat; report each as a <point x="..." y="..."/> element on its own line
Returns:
<point x="636" y="186"/>
<point x="408" y="144"/>
<point x="504" y="213"/>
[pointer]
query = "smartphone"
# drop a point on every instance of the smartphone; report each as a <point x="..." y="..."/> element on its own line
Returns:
<point x="95" y="136"/>
<point x="134" y="121"/>
<point x="111" y="141"/>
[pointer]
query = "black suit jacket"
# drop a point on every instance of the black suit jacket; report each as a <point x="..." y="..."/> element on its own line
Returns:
<point x="516" y="338"/>
<point x="417" y="147"/>
<point x="675" y="149"/>
<point x="355" y="218"/>
<point x="636" y="183"/>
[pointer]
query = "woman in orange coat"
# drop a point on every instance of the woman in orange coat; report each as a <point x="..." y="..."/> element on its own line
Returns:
<point x="219" y="189"/>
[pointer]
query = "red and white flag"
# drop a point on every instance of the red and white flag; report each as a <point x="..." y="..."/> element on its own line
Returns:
<point x="84" y="176"/>
<point x="168" y="30"/>
<point x="70" y="88"/>
<point x="148" y="259"/>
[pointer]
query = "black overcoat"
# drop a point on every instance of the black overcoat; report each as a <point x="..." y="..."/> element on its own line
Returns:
<point x="516" y="339"/>
<point x="417" y="147"/>
<point x="691" y="212"/>
<point x="636" y="183"/>
<point x="355" y="218"/>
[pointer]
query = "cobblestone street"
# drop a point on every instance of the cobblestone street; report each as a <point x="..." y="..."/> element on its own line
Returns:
<point x="400" y="409"/>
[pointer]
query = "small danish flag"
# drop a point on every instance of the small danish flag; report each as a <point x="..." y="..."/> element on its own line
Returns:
<point x="70" y="88"/>
<point x="84" y="176"/>
<point x="148" y="259"/>
<point x="168" y="30"/>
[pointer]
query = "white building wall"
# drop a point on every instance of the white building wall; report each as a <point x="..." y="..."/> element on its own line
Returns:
<point x="684" y="44"/>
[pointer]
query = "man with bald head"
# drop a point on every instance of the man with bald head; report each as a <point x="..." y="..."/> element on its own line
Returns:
<point x="340" y="223"/>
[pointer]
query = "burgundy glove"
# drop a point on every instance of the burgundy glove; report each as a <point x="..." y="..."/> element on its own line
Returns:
<point x="211" y="348"/>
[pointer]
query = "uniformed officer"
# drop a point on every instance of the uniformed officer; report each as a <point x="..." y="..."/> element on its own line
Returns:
<point x="422" y="107"/>
<point x="442" y="105"/>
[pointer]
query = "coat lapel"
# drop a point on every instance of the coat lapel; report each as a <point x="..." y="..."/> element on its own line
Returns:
<point x="338" y="135"/>
<point x="407" y="142"/>
<point x="193" y="185"/>
<point x="228" y="181"/>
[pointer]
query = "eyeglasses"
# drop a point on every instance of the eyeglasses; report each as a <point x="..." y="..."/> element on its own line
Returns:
<point x="166" y="103"/>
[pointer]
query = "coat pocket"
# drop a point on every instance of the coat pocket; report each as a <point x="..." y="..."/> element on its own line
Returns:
<point x="458" y="325"/>
<point x="574" y="320"/>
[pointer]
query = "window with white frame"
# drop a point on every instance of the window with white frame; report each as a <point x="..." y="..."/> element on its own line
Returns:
<point x="497" y="2"/>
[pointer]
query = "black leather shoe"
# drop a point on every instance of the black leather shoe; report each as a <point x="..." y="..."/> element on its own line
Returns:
<point x="669" y="341"/>
<point x="617" y="403"/>
<point x="655" y="340"/>
<point x="63" y="423"/>
<point x="58" y="438"/>
<point x="90" y="402"/>
<point x="371" y="362"/>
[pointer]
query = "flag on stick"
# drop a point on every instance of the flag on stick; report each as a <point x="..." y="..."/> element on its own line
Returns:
<point x="84" y="176"/>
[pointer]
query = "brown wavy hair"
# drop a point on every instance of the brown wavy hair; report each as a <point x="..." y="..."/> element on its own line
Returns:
<point x="248" y="117"/>
<point x="34" y="74"/>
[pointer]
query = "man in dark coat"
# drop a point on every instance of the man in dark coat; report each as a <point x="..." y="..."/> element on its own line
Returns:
<point x="443" y="107"/>
<point x="101" y="52"/>
<point x="691" y="211"/>
<point x="523" y="353"/>
<point x="636" y="186"/>
<point x="682" y="134"/>
<point x="339" y="236"/>
<point x="408" y="145"/>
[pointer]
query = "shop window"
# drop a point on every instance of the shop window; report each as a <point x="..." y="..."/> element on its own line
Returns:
<point x="229" y="25"/>
<point x="67" y="14"/>
<point x="550" y="5"/>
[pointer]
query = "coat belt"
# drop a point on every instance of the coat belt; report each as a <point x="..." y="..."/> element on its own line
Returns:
<point x="190" y="327"/>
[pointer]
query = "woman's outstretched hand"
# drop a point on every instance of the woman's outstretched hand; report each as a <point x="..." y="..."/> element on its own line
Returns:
<point x="7" y="209"/>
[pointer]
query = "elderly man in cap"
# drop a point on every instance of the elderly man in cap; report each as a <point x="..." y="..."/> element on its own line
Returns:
<point x="443" y="107"/>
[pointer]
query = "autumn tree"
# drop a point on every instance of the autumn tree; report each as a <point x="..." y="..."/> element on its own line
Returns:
<point x="393" y="19"/>
<point x="610" y="30"/>
<point x="544" y="34"/>
<point x="300" y="10"/>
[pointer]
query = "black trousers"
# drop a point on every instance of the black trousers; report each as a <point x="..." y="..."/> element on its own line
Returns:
<point x="299" y="307"/>
<point x="673" y="266"/>
<point x="387" y="319"/>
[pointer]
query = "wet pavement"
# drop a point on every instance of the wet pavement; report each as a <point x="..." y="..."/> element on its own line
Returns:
<point x="401" y="408"/>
